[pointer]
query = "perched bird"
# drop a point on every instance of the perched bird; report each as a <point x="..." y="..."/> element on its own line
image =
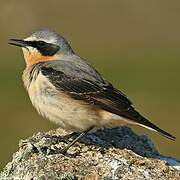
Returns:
<point x="68" y="91"/>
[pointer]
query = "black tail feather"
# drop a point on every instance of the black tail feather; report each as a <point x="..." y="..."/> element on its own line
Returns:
<point x="139" y="119"/>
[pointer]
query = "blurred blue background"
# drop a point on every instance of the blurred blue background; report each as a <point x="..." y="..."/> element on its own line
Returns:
<point x="134" y="44"/>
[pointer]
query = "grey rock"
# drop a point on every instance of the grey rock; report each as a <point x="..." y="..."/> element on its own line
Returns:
<point x="116" y="153"/>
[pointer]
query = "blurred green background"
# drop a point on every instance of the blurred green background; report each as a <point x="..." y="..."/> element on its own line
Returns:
<point x="134" y="44"/>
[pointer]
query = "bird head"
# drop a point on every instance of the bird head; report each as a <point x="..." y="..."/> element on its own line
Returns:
<point x="44" y="45"/>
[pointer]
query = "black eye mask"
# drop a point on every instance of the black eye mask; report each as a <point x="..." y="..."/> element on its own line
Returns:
<point x="46" y="49"/>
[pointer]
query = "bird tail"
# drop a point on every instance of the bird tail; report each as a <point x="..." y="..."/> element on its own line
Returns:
<point x="142" y="121"/>
<point x="159" y="130"/>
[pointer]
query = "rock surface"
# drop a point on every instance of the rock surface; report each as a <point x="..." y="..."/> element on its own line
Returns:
<point x="107" y="154"/>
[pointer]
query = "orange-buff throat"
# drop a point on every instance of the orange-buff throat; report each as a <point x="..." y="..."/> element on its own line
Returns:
<point x="36" y="57"/>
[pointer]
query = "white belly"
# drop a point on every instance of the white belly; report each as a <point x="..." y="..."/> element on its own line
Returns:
<point x="58" y="107"/>
<point x="68" y="113"/>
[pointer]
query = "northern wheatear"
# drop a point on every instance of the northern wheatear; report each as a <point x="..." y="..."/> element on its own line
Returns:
<point x="68" y="91"/>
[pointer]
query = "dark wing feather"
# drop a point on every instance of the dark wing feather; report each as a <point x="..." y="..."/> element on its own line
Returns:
<point x="103" y="95"/>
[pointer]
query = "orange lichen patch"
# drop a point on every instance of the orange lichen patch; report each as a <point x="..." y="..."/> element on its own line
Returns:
<point x="36" y="57"/>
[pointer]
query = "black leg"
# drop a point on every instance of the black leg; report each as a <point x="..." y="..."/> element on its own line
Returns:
<point x="75" y="140"/>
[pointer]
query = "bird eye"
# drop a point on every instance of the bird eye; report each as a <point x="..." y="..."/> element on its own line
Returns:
<point x="41" y="43"/>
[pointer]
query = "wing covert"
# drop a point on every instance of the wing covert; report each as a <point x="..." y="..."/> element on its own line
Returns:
<point x="103" y="95"/>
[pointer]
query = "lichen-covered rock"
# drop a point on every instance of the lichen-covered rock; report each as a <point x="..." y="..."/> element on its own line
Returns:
<point x="107" y="154"/>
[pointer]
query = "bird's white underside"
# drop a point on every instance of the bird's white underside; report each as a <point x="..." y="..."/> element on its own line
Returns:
<point x="68" y="113"/>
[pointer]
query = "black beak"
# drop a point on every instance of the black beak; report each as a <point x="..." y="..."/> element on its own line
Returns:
<point x="18" y="42"/>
